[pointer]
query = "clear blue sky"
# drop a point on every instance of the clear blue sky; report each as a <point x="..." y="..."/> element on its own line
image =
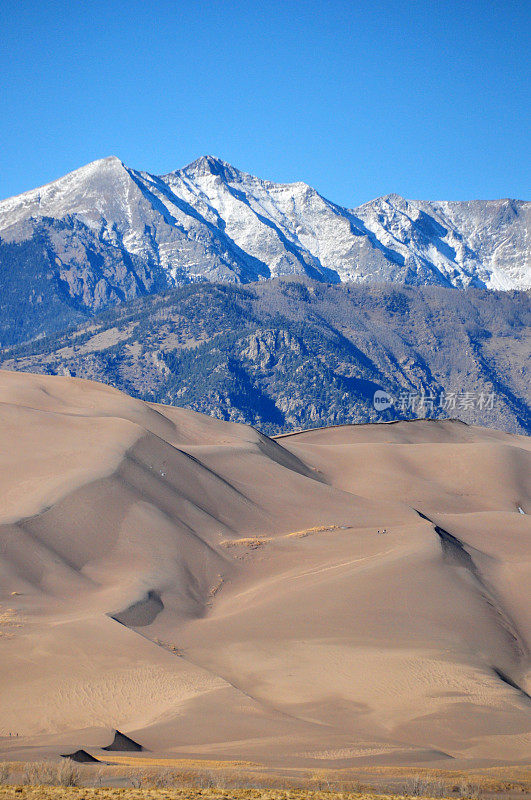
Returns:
<point x="427" y="99"/>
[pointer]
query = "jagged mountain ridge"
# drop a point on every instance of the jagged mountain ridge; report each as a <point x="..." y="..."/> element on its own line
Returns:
<point x="106" y="233"/>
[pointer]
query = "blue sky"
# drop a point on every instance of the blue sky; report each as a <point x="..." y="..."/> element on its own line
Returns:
<point x="426" y="99"/>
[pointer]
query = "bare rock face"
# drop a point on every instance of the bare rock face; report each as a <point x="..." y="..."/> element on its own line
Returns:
<point x="266" y="348"/>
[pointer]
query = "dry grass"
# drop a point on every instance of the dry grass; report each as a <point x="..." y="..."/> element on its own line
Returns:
<point x="50" y="773"/>
<point x="60" y="793"/>
<point x="254" y="542"/>
<point x="176" y="763"/>
<point x="179" y="779"/>
<point x="318" y="529"/>
<point x="460" y="783"/>
<point x="9" y="620"/>
<point x="417" y="786"/>
<point x="251" y="542"/>
<point x="148" y="772"/>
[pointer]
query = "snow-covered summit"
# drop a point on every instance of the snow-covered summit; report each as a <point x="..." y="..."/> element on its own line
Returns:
<point x="211" y="221"/>
<point x="209" y="165"/>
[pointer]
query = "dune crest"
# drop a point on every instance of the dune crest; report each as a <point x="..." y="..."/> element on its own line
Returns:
<point x="123" y="743"/>
<point x="220" y="594"/>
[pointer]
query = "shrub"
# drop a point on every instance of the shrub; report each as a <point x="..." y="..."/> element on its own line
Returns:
<point x="67" y="774"/>
<point x="4" y="773"/>
<point x="136" y="779"/>
<point x="49" y="773"/>
<point x="469" y="790"/>
<point x="164" y="779"/>
<point x="321" y="779"/>
<point x="417" y="786"/>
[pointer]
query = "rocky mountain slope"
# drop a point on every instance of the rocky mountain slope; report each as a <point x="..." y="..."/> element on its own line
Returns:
<point x="108" y="233"/>
<point x="290" y="353"/>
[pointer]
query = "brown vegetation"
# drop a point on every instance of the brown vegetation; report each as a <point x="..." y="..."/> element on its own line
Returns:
<point x="61" y="793"/>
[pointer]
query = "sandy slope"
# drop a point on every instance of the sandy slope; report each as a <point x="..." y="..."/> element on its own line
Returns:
<point x="214" y="593"/>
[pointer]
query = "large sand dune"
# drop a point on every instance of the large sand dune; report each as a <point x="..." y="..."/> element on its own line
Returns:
<point x="211" y="592"/>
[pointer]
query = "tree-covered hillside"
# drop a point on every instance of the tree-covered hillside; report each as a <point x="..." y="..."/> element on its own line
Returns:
<point x="287" y="354"/>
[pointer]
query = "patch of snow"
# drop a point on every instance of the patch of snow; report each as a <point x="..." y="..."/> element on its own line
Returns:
<point x="210" y="221"/>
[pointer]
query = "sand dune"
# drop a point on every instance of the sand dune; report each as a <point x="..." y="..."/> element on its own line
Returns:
<point x="208" y="591"/>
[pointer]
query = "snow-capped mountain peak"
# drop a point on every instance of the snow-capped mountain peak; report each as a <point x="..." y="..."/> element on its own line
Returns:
<point x="208" y="165"/>
<point x="211" y="221"/>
